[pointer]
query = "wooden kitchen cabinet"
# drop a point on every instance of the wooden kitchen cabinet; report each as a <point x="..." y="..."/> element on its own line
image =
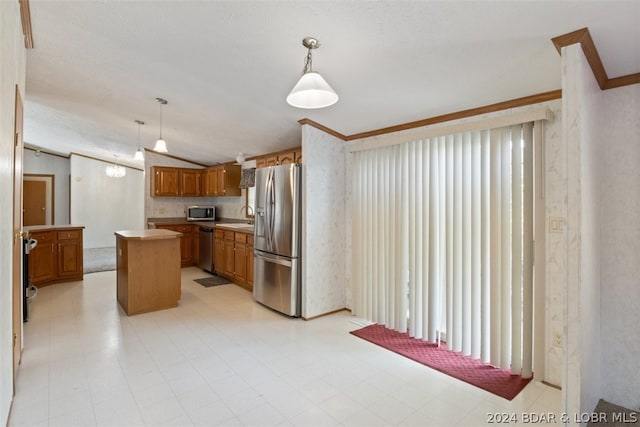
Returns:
<point x="233" y="256"/>
<point x="293" y="155"/>
<point x="166" y="181"/>
<point x="42" y="259"/>
<point x="58" y="257"/>
<point x="69" y="254"/>
<point x="287" y="158"/>
<point x="190" y="182"/>
<point x="215" y="181"/>
<point x="228" y="181"/>
<point x="210" y="181"/>
<point x="218" y="251"/>
<point x="188" y="242"/>
<point x="249" y="261"/>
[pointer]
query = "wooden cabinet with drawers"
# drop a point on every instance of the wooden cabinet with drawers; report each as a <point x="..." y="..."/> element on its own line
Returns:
<point x="57" y="256"/>
<point x="233" y="256"/>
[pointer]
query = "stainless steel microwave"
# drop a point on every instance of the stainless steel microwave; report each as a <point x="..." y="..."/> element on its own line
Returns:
<point x="201" y="213"/>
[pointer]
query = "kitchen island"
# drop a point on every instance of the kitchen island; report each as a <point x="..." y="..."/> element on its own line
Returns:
<point x="148" y="270"/>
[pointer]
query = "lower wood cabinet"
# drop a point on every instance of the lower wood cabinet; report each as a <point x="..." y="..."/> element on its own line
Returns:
<point x="233" y="256"/>
<point x="189" y="242"/>
<point x="57" y="257"/>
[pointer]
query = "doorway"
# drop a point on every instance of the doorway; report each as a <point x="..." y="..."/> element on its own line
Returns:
<point x="38" y="199"/>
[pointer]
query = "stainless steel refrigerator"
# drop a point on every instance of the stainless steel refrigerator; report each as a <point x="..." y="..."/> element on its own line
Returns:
<point x="277" y="238"/>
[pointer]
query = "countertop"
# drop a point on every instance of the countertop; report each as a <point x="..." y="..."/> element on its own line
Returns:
<point x="50" y="227"/>
<point x="152" y="234"/>
<point x="229" y="224"/>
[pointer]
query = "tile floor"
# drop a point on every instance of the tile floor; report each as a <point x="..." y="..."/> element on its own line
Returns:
<point x="222" y="359"/>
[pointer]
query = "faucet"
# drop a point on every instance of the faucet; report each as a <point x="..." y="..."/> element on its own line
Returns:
<point x="250" y="213"/>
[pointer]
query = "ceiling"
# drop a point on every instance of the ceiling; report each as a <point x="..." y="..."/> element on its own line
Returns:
<point x="225" y="67"/>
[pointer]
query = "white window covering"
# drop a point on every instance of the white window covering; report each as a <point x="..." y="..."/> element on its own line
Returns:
<point x="442" y="241"/>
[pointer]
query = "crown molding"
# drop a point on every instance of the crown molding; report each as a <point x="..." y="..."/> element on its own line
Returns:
<point x="25" y="17"/>
<point x="504" y="105"/>
<point x="583" y="37"/>
<point x="323" y="128"/>
<point x="104" y="161"/>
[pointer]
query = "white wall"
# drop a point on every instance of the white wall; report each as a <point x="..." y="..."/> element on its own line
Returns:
<point x="47" y="164"/>
<point x="12" y="72"/>
<point x="619" y="136"/>
<point x="102" y="204"/>
<point x="324" y="212"/>
<point x="174" y="207"/>
<point x="582" y="380"/>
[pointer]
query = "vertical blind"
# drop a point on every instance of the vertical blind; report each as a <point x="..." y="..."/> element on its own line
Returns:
<point x="442" y="242"/>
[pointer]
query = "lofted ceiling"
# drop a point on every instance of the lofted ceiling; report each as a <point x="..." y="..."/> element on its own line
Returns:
<point x="225" y="67"/>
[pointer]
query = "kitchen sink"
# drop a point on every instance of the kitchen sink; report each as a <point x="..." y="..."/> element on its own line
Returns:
<point x="239" y="226"/>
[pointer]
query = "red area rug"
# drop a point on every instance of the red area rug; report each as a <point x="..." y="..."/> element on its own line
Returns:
<point x="494" y="380"/>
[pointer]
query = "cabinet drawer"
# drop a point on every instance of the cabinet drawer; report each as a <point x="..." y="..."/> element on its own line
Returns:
<point x="219" y="234"/>
<point x="167" y="227"/>
<point x="48" y="236"/>
<point x="228" y="235"/>
<point x="183" y="228"/>
<point x="241" y="238"/>
<point x="69" y="234"/>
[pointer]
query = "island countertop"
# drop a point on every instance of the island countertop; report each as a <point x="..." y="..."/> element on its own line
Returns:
<point x="148" y="234"/>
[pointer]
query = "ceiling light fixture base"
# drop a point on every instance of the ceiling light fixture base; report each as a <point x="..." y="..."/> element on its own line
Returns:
<point x="310" y="43"/>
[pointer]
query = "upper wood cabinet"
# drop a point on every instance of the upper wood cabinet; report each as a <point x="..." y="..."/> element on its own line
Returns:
<point x="226" y="181"/>
<point x="214" y="181"/>
<point x="293" y="155"/>
<point x="191" y="182"/>
<point x="210" y="181"/>
<point x="165" y="182"/>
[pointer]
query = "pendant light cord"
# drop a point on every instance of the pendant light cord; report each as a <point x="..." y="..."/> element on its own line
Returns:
<point x="161" y="120"/>
<point x="307" y="62"/>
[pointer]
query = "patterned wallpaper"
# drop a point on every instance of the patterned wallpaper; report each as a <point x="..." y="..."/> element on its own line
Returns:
<point x="324" y="183"/>
<point x="620" y="135"/>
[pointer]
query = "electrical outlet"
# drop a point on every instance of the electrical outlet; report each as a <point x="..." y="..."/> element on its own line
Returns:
<point x="557" y="339"/>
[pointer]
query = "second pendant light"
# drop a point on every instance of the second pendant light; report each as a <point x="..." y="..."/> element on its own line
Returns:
<point x="161" y="145"/>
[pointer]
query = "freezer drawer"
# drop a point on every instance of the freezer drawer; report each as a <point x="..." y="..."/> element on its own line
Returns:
<point x="277" y="283"/>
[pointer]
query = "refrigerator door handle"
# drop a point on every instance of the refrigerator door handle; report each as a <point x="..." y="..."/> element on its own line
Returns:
<point x="273" y="258"/>
<point x="270" y="195"/>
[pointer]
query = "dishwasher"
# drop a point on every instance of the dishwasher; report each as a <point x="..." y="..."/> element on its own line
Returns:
<point x="205" y="260"/>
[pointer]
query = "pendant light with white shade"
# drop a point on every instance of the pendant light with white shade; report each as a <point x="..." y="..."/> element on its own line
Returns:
<point x="139" y="154"/>
<point x="311" y="91"/>
<point x="161" y="145"/>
